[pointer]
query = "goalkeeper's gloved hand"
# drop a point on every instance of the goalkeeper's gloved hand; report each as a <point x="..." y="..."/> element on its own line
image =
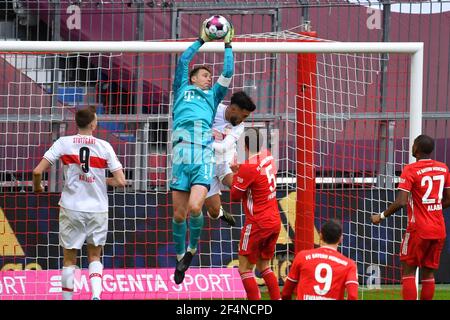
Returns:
<point x="203" y="34"/>
<point x="229" y="37"/>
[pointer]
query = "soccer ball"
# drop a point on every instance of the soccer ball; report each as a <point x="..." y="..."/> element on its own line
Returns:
<point x="217" y="27"/>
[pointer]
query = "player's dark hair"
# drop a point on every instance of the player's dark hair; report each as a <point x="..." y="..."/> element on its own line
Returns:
<point x="331" y="231"/>
<point x="253" y="139"/>
<point x="196" y="69"/>
<point x="424" y="144"/>
<point x="85" y="116"/>
<point x="243" y="101"/>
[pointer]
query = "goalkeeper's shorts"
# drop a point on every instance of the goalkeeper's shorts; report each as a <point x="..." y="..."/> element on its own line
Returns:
<point x="77" y="227"/>
<point x="192" y="165"/>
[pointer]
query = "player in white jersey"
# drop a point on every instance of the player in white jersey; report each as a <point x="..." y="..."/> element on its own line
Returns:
<point x="227" y="128"/>
<point x="83" y="214"/>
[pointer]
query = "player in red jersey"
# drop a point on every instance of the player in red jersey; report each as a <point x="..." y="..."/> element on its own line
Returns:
<point x="427" y="183"/>
<point x="83" y="215"/>
<point x="323" y="273"/>
<point x="254" y="182"/>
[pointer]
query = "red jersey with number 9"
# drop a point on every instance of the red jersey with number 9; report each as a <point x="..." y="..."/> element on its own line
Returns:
<point x="425" y="180"/>
<point x="257" y="178"/>
<point x="322" y="274"/>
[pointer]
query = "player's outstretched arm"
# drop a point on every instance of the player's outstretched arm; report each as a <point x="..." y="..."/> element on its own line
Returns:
<point x="182" y="70"/>
<point x="229" y="37"/>
<point x="221" y="86"/>
<point x="400" y="201"/>
<point x="228" y="64"/>
<point x="37" y="175"/>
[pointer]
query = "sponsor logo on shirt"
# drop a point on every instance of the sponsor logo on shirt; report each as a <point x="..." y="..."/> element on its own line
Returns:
<point x="189" y="95"/>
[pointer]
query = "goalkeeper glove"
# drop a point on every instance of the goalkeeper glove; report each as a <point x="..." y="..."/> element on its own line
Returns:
<point x="229" y="35"/>
<point x="203" y="34"/>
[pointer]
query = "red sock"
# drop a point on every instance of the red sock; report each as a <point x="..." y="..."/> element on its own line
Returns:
<point x="409" y="290"/>
<point x="272" y="284"/>
<point x="427" y="292"/>
<point x="250" y="286"/>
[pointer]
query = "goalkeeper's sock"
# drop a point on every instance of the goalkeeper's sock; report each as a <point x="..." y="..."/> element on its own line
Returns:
<point x="67" y="279"/>
<point x="250" y="286"/>
<point x="427" y="292"/>
<point x="195" y="229"/>
<point x="179" y="237"/>
<point x="409" y="289"/>
<point x="272" y="284"/>
<point x="95" y="276"/>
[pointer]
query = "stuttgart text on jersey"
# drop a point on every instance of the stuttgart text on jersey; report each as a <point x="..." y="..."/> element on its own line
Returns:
<point x="83" y="140"/>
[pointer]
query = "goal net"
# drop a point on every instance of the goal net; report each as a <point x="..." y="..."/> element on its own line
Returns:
<point x="337" y="118"/>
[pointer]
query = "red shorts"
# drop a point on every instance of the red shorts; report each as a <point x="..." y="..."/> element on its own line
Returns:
<point x="257" y="242"/>
<point x="419" y="252"/>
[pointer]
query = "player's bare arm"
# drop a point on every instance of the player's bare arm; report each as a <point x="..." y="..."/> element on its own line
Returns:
<point x="37" y="175"/>
<point x="400" y="201"/>
<point x="117" y="180"/>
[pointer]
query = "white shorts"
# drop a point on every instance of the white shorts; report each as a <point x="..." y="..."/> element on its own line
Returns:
<point x="221" y="171"/>
<point x="76" y="227"/>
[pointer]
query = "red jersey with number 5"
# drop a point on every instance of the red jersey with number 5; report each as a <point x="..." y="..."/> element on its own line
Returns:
<point x="425" y="181"/>
<point x="322" y="274"/>
<point x="256" y="179"/>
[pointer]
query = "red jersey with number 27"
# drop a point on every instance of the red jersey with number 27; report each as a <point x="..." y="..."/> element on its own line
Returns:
<point x="257" y="178"/>
<point x="425" y="180"/>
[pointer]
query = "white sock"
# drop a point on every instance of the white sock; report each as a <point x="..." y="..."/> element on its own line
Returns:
<point x="180" y="256"/>
<point x="193" y="251"/>
<point x="95" y="275"/>
<point x="220" y="214"/>
<point x="67" y="276"/>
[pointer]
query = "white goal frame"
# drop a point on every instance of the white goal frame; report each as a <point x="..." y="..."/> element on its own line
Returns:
<point x="415" y="49"/>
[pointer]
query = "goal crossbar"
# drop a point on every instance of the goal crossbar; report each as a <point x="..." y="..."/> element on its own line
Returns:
<point x="415" y="49"/>
<point x="245" y="47"/>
